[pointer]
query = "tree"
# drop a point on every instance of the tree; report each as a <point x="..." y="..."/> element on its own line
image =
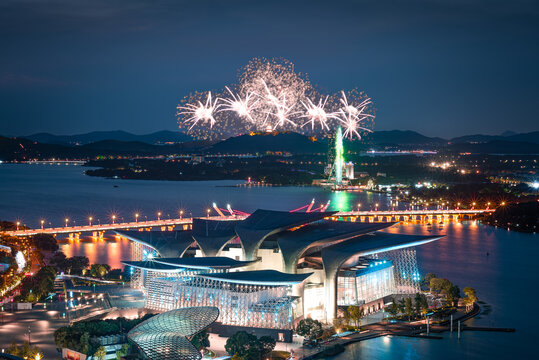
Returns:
<point x="452" y="294"/>
<point x="428" y="278"/>
<point x="393" y="308"/>
<point x="437" y="284"/>
<point x="44" y="242"/>
<point x="421" y="303"/>
<point x="471" y="297"/>
<point x="58" y="260"/>
<point x="76" y="264"/>
<point x="408" y="308"/>
<point x="122" y="352"/>
<point x="240" y="342"/>
<point x="267" y="344"/>
<point x="355" y="313"/>
<point x="99" y="270"/>
<point x="201" y="340"/>
<point x="25" y="351"/>
<point x="309" y="328"/>
<point x="100" y="353"/>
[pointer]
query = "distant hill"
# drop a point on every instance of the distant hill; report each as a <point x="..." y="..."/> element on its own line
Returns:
<point x="159" y="137"/>
<point x="401" y="137"/>
<point x="497" y="147"/>
<point x="532" y="137"/>
<point x="263" y="142"/>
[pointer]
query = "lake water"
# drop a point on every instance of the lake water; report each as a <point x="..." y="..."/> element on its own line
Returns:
<point x="506" y="279"/>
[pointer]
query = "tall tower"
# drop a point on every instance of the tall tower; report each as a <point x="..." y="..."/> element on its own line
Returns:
<point x="339" y="157"/>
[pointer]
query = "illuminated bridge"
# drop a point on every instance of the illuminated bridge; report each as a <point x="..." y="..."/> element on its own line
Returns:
<point x="98" y="230"/>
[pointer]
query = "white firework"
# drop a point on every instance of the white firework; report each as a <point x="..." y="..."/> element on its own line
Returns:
<point x="282" y="113"/>
<point x="242" y="106"/>
<point x="317" y="114"/>
<point x="200" y="111"/>
<point x="352" y="116"/>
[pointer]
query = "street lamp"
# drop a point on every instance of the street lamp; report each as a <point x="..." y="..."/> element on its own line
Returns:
<point x="113" y="218"/>
<point x="376" y="207"/>
<point x="42" y="223"/>
<point x="136" y="217"/>
<point x="67" y="220"/>
<point x="18" y="224"/>
<point x="159" y="215"/>
<point x="503" y="203"/>
<point x="181" y="214"/>
<point x="208" y="213"/>
<point x="473" y="205"/>
<point x="358" y="206"/>
<point x="90" y="220"/>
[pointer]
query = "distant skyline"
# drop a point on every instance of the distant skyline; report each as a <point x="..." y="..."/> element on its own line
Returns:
<point x="439" y="67"/>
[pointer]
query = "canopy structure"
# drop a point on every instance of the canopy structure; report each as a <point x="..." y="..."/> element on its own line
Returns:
<point x="294" y="244"/>
<point x="164" y="336"/>
<point x="204" y="263"/>
<point x="212" y="235"/>
<point x="166" y="243"/>
<point x="263" y="223"/>
<point x="150" y="265"/>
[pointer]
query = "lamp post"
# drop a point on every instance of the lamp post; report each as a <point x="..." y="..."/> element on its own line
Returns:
<point x="18" y="224"/>
<point x="208" y="213"/>
<point x="181" y="214"/>
<point x="67" y="220"/>
<point x="113" y="218"/>
<point x="159" y="216"/>
<point x="42" y="224"/>
<point x="136" y="217"/>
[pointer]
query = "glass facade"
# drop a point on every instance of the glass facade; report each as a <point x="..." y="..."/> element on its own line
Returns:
<point x="365" y="285"/>
<point x="239" y="304"/>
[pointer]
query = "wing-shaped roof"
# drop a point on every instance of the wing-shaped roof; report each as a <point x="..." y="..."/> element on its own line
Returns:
<point x="212" y="235"/>
<point x="151" y="265"/>
<point x="167" y="243"/>
<point x="258" y="277"/>
<point x="215" y="262"/>
<point x="273" y="220"/>
<point x="262" y="223"/>
<point x="214" y="228"/>
<point x="163" y="336"/>
<point x="320" y="234"/>
<point x="371" y="244"/>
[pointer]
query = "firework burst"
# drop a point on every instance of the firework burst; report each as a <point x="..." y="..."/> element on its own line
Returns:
<point x="271" y="95"/>
<point x="200" y="111"/>
<point x="317" y="114"/>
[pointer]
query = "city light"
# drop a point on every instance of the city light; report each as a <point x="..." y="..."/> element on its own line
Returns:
<point x="66" y="221"/>
<point x="136" y="217"/>
<point x="42" y="223"/>
<point x="113" y="218"/>
<point x="90" y="220"/>
<point x="159" y="215"/>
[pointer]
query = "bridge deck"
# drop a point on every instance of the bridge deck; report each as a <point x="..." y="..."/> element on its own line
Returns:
<point x="187" y="221"/>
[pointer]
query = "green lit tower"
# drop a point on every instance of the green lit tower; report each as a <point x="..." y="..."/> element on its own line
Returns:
<point x="339" y="157"/>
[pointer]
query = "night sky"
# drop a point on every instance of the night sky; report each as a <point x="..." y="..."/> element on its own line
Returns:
<point x="443" y="68"/>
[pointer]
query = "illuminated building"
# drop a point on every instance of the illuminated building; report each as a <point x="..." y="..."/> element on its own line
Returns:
<point x="165" y="336"/>
<point x="269" y="270"/>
